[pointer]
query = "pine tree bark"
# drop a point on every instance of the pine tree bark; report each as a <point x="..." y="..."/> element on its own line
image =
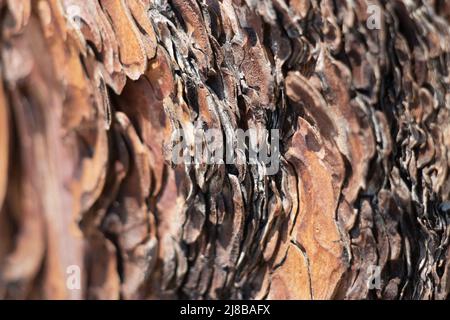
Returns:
<point x="92" y="91"/>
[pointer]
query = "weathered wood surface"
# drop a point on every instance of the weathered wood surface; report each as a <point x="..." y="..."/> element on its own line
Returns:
<point x="92" y="90"/>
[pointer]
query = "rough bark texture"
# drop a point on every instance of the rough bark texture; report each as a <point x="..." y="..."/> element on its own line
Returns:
<point x="88" y="103"/>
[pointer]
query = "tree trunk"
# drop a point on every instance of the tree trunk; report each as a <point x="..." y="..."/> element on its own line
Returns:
<point x="94" y="92"/>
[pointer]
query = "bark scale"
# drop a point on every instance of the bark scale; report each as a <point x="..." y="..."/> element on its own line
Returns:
<point x="92" y="90"/>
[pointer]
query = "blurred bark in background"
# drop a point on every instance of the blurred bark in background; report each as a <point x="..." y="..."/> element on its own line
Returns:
<point x="92" y="91"/>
